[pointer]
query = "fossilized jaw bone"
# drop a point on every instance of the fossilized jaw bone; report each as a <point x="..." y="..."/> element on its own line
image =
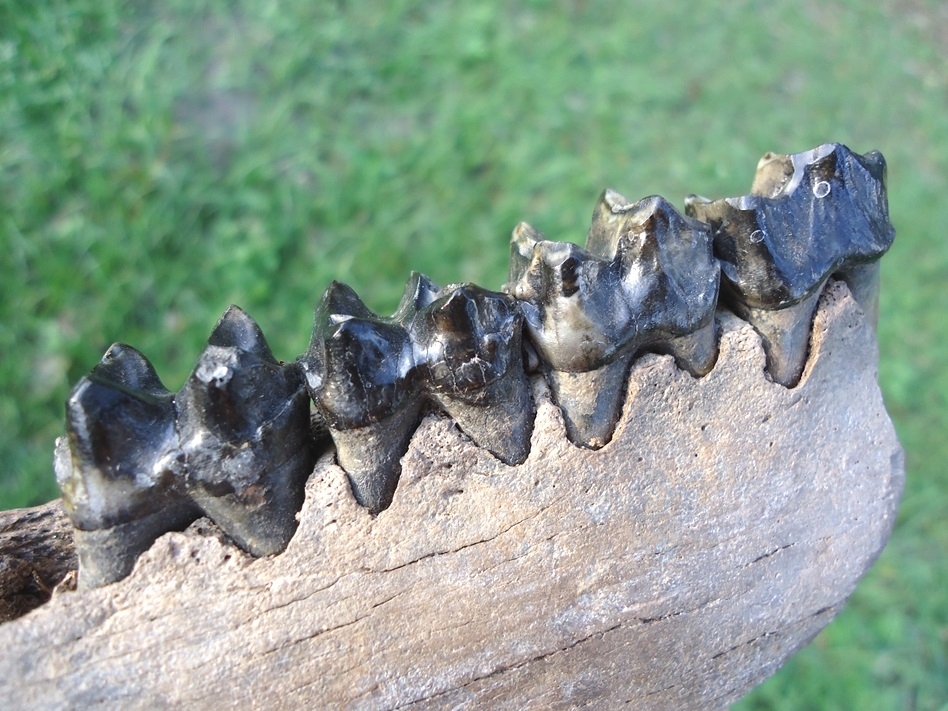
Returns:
<point x="722" y="527"/>
<point x="647" y="281"/>
<point x="237" y="440"/>
<point x="809" y="215"/>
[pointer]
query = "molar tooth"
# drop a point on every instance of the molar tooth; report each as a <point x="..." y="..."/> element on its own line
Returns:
<point x="470" y="360"/>
<point x="809" y="216"/>
<point x="650" y="283"/>
<point x="359" y="371"/>
<point x="244" y="423"/>
<point x="118" y="466"/>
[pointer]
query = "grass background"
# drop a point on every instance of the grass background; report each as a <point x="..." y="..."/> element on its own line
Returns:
<point x="159" y="161"/>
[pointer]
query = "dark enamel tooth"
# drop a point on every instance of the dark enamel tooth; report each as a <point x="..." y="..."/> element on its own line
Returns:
<point x="359" y="370"/>
<point x="670" y="272"/>
<point x="244" y="424"/>
<point x="420" y="292"/>
<point x="809" y="216"/>
<point x="118" y="466"/>
<point x="468" y="349"/>
<point x="651" y="283"/>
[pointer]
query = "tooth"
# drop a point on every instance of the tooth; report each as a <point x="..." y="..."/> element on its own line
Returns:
<point x="647" y="281"/>
<point x="669" y="272"/>
<point x="244" y="424"/>
<point x="468" y="344"/>
<point x="809" y="216"/>
<point x="119" y="467"/>
<point x="359" y="371"/>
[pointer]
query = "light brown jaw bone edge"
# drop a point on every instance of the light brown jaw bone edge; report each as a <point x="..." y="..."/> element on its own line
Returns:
<point x="726" y="523"/>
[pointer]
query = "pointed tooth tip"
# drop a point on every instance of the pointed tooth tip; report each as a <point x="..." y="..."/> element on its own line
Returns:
<point x="875" y="163"/>
<point x="615" y="201"/>
<point x="124" y="365"/>
<point x="420" y="291"/>
<point x="236" y="329"/>
<point x="526" y="234"/>
<point x="340" y="299"/>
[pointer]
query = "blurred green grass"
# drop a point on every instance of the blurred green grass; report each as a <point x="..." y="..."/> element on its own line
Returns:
<point x="161" y="161"/>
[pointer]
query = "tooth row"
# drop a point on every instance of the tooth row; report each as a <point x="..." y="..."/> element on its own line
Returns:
<point x="458" y="349"/>
<point x="239" y="439"/>
<point x="137" y="461"/>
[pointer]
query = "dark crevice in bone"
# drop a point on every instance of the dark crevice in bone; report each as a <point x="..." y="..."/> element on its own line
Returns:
<point x="240" y="438"/>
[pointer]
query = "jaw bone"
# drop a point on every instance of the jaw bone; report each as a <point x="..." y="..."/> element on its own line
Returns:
<point x="720" y="530"/>
<point x="647" y="281"/>
<point x="809" y="216"/>
<point x="238" y="439"/>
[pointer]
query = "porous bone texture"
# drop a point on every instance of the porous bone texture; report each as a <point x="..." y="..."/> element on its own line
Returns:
<point x="723" y="526"/>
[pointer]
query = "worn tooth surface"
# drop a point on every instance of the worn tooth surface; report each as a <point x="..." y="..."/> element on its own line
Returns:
<point x="359" y="370"/>
<point x="468" y="350"/>
<point x="119" y="466"/>
<point x="647" y="281"/>
<point x="244" y="423"/>
<point x="809" y="216"/>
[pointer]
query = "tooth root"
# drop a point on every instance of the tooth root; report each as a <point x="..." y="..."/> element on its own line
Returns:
<point x="863" y="283"/>
<point x="785" y="334"/>
<point x="809" y="215"/>
<point x="504" y="424"/>
<point x="371" y="455"/>
<point x="591" y="401"/>
<point x="244" y="422"/>
<point x="359" y="371"/>
<point x="118" y="467"/>
<point x="108" y="555"/>
<point x="696" y="352"/>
